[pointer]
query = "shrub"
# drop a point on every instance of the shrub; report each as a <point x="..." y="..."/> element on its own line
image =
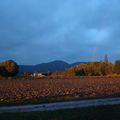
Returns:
<point x="117" y="67"/>
<point x="9" y="68"/>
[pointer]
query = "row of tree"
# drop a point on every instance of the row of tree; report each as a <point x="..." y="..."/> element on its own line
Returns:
<point x="9" y="68"/>
<point x="94" y="69"/>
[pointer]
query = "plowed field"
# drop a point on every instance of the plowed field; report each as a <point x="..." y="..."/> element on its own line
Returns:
<point x="13" y="90"/>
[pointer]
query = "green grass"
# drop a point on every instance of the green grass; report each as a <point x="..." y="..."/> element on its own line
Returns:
<point x="92" y="113"/>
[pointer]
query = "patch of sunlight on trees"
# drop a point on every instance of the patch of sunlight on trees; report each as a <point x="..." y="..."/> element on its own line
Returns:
<point x="102" y="68"/>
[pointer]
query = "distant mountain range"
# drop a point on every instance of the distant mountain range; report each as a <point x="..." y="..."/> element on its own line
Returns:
<point x="47" y="67"/>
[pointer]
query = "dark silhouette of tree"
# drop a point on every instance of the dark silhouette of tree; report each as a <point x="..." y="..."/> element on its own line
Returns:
<point x="9" y="68"/>
<point x="80" y="72"/>
<point x="106" y="58"/>
<point x="3" y="71"/>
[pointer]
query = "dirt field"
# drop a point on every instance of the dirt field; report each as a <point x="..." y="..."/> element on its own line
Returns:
<point x="13" y="90"/>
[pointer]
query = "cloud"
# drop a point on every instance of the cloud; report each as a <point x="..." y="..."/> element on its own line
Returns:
<point x="35" y="31"/>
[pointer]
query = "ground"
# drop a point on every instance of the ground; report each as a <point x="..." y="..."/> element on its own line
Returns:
<point x="48" y="90"/>
<point x="93" y="113"/>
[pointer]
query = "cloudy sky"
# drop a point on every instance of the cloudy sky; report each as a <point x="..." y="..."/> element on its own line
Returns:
<point x="36" y="31"/>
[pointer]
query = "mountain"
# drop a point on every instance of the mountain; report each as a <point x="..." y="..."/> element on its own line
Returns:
<point x="47" y="67"/>
<point x="77" y="63"/>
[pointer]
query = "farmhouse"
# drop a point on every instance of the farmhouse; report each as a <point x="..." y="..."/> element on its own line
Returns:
<point x="37" y="75"/>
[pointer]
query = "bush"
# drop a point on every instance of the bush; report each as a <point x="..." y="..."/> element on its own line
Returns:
<point x="9" y="68"/>
<point x="117" y="67"/>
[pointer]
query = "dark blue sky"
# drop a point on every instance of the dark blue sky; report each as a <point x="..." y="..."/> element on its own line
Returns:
<point x="36" y="31"/>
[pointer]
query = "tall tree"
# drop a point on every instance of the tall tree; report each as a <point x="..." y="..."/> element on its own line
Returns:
<point x="106" y="58"/>
<point x="9" y="68"/>
<point x="117" y="67"/>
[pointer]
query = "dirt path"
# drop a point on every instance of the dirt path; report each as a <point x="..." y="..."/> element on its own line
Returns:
<point x="61" y="105"/>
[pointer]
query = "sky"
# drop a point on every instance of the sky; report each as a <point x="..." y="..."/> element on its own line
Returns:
<point x="37" y="31"/>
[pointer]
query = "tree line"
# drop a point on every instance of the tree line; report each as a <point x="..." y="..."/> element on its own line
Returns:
<point x="101" y="68"/>
<point x="10" y="68"/>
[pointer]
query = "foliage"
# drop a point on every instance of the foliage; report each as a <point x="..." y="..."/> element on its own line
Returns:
<point x="91" y="69"/>
<point x="117" y="67"/>
<point x="9" y="68"/>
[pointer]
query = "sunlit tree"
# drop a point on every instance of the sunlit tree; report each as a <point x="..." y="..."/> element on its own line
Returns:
<point x="9" y="68"/>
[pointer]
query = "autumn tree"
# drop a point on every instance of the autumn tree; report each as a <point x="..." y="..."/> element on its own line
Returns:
<point x="117" y="67"/>
<point x="106" y="58"/>
<point x="9" y="68"/>
<point x="91" y="69"/>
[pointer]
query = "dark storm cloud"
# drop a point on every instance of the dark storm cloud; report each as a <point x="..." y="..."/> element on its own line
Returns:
<point x="35" y="31"/>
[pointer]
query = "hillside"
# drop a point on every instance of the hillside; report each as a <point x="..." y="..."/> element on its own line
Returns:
<point x="47" y="67"/>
